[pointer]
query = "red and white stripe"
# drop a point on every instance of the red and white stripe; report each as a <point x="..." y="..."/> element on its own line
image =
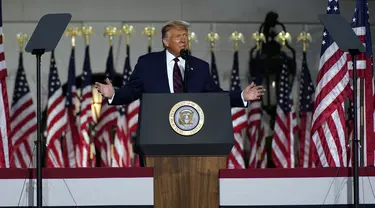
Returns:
<point x="104" y="132"/>
<point x="5" y="143"/>
<point x="328" y="118"/>
<point x="122" y="146"/>
<point x="23" y="134"/>
<point x="132" y="116"/>
<point x="56" y="128"/>
<point x="283" y="140"/>
<point x="305" y="140"/>
<point x="71" y="139"/>
<point x="364" y="81"/>
<point x="254" y="131"/>
<point x="83" y="145"/>
<point x="86" y="115"/>
<point x="83" y="148"/>
<point x="236" y="158"/>
<point x="86" y="107"/>
<point x="261" y="151"/>
<point x="265" y="131"/>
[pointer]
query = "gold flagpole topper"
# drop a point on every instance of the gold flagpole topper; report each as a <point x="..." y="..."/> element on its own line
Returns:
<point x="87" y="31"/>
<point x="21" y="39"/>
<point x="259" y="38"/>
<point x="73" y="32"/>
<point x="305" y="37"/>
<point x="212" y="37"/>
<point x="192" y="37"/>
<point x="284" y="37"/>
<point x="127" y="30"/>
<point x="149" y="32"/>
<point x="236" y="37"/>
<point x="111" y="31"/>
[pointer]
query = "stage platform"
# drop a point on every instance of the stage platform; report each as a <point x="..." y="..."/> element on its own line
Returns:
<point x="79" y="187"/>
<point x="133" y="187"/>
<point x="299" y="187"/>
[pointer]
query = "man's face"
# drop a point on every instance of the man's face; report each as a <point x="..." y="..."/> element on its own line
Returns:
<point x="176" y="40"/>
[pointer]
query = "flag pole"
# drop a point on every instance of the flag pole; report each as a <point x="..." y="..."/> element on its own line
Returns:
<point x="212" y="37"/>
<point x="127" y="30"/>
<point x="259" y="39"/>
<point x="111" y="32"/>
<point x="87" y="31"/>
<point x="353" y="53"/>
<point x="306" y="101"/>
<point x="236" y="37"/>
<point x="192" y="37"/>
<point x="149" y="32"/>
<point x="304" y="37"/>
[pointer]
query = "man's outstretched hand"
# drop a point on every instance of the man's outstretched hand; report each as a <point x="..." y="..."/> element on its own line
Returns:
<point x="253" y="92"/>
<point x="106" y="90"/>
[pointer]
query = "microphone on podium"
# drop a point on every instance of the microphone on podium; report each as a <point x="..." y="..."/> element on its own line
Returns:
<point x="185" y="53"/>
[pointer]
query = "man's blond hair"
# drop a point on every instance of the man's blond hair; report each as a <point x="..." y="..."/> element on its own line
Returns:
<point x="178" y="24"/>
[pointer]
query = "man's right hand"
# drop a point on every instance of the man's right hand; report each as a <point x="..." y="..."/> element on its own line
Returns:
<point x="106" y="90"/>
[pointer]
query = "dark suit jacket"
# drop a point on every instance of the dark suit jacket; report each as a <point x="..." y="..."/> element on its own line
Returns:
<point x="150" y="76"/>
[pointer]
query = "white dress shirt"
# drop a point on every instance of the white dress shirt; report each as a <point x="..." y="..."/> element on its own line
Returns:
<point x="181" y="65"/>
<point x="170" y="66"/>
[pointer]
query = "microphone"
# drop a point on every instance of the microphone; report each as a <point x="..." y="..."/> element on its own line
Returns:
<point x="185" y="53"/>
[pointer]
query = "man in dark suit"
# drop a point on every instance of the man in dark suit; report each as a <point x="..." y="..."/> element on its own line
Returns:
<point x="164" y="71"/>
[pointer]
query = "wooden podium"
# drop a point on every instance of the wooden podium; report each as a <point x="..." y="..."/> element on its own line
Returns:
<point x="186" y="182"/>
<point x="186" y="167"/>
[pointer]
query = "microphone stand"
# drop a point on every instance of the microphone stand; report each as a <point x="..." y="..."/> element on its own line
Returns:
<point x="186" y="77"/>
<point x="44" y="39"/>
<point x="355" y="140"/>
<point x="184" y="53"/>
<point x="39" y="143"/>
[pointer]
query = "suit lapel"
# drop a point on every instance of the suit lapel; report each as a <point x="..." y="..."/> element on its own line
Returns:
<point x="162" y="67"/>
<point x="162" y="70"/>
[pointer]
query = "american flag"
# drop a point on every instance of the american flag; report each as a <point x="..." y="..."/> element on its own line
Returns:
<point x="261" y="151"/>
<point x="107" y="120"/>
<point x="71" y="137"/>
<point x="133" y="108"/>
<point x="254" y="131"/>
<point x="56" y="117"/>
<point x="23" y="121"/>
<point x="283" y="139"/>
<point x="214" y="73"/>
<point x="86" y="116"/>
<point x="350" y="129"/>
<point x="258" y="122"/>
<point x="306" y="97"/>
<point x="255" y="134"/>
<point x="5" y="145"/>
<point x="365" y="84"/>
<point x="328" y="120"/>
<point x="239" y="119"/>
<point x="122" y="155"/>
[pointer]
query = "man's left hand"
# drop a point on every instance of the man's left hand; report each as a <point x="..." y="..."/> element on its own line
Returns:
<point x="253" y="92"/>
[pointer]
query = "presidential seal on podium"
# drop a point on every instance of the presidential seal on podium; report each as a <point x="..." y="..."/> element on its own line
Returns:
<point x="186" y="118"/>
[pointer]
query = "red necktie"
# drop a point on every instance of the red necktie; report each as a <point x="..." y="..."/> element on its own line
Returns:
<point x="177" y="78"/>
